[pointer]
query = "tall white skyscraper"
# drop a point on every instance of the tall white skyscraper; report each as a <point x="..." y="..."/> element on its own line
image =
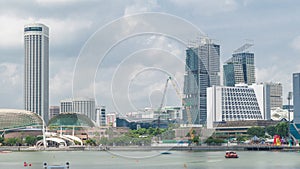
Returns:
<point x="36" y="79"/>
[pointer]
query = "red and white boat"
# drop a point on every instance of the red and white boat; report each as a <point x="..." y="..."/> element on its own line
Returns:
<point x="231" y="154"/>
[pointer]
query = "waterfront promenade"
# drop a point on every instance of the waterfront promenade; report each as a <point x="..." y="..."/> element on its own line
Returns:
<point x="155" y="148"/>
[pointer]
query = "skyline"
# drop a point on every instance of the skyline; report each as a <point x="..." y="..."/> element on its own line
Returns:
<point x="274" y="31"/>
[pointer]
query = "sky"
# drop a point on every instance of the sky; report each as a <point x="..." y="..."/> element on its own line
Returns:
<point x="122" y="52"/>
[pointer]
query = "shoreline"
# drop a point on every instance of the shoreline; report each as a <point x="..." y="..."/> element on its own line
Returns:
<point x="6" y="149"/>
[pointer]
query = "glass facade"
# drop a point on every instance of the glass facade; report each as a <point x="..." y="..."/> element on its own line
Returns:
<point x="12" y="119"/>
<point x="232" y="104"/>
<point x="239" y="69"/>
<point x="70" y="120"/>
<point x="239" y="104"/>
<point x="202" y="71"/>
<point x="296" y="97"/>
<point x="33" y="29"/>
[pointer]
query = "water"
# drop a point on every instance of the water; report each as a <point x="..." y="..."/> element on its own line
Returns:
<point x="175" y="160"/>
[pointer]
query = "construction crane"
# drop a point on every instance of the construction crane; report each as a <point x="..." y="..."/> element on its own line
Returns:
<point x="243" y="48"/>
<point x="162" y="103"/>
<point x="185" y="105"/>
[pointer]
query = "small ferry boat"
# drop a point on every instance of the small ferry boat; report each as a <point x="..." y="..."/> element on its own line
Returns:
<point x="231" y="154"/>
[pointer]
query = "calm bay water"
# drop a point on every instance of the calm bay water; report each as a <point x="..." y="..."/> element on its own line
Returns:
<point x="152" y="160"/>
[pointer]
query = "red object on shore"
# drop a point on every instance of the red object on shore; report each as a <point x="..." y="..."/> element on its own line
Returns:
<point x="231" y="154"/>
<point x="25" y="164"/>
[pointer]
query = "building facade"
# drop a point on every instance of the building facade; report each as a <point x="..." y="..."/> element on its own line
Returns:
<point x="296" y="97"/>
<point x="53" y="111"/>
<point x="275" y="94"/>
<point x="202" y="71"/>
<point x="111" y="119"/>
<point x="84" y="106"/>
<point x="36" y="69"/>
<point x="239" y="69"/>
<point x="231" y="104"/>
<point x="66" y="106"/>
<point x="101" y="116"/>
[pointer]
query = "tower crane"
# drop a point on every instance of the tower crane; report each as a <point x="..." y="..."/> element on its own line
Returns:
<point x="185" y="105"/>
<point x="243" y="48"/>
<point x="162" y="103"/>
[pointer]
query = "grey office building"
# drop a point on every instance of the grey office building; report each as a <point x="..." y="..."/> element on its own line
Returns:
<point x="239" y="69"/>
<point x="84" y="106"/>
<point x="202" y="71"/>
<point x="296" y="97"/>
<point x="36" y="68"/>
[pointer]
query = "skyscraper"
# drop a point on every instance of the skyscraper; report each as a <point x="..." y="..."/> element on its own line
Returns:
<point x="296" y="97"/>
<point x="202" y="71"/>
<point x="36" y="79"/>
<point x="239" y="69"/>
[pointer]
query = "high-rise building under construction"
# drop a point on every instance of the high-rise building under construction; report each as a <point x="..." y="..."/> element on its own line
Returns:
<point x="202" y="71"/>
<point x="240" y="67"/>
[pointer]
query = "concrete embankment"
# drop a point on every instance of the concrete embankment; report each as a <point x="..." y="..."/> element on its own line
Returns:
<point x="155" y="148"/>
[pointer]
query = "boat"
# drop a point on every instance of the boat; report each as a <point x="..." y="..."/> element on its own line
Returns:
<point x="5" y="151"/>
<point x="231" y="154"/>
<point x="165" y="152"/>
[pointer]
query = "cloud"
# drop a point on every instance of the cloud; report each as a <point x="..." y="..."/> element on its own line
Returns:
<point x="55" y="2"/>
<point x="295" y="44"/>
<point x="67" y="31"/>
<point x="140" y="6"/>
<point x="11" y="34"/>
<point x="11" y="82"/>
<point x="9" y="74"/>
<point x="62" y="32"/>
<point x="61" y="84"/>
<point x="204" y="7"/>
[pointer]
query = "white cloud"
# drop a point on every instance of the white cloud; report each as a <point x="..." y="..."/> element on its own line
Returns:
<point x="54" y="2"/>
<point x="296" y="43"/>
<point x="11" y="82"/>
<point x="140" y="6"/>
<point x="11" y="33"/>
<point x="10" y="74"/>
<point x="61" y="85"/>
<point x="62" y="32"/>
<point x="205" y="7"/>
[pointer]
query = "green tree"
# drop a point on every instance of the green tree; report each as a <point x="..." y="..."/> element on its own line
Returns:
<point x="91" y="142"/>
<point x="196" y="140"/>
<point x="1" y="140"/>
<point x="211" y="140"/>
<point x="282" y="129"/>
<point x="12" y="141"/>
<point x="241" y="138"/>
<point x="256" y="131"/>
<point x="271" y="130"/>
<point x="30" y="140"/>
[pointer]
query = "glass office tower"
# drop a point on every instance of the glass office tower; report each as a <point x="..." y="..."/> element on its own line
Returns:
<point x="202" y="71"/>
<point x="239" y="69"/>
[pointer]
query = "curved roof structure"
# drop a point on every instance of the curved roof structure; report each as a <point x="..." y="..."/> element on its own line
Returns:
<point x="18" y="119"/>
<point x="70" y="120"/>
